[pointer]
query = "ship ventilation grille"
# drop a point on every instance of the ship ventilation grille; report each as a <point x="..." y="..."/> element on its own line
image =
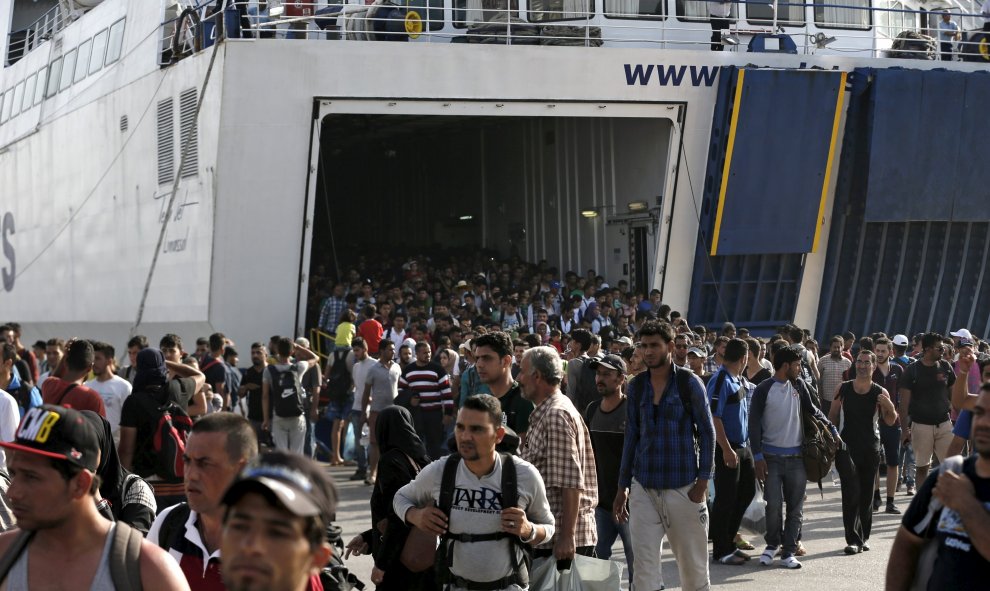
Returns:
<point x="123" y="123"/>
<point x="166" y="142"/>
<point x="189" y="131"/>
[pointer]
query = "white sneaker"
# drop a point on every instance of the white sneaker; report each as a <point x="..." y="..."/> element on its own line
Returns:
<point x="766" y="559"/>
<point x="790" y="561"/>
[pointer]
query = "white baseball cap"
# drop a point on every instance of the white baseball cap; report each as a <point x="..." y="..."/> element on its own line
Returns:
<point x="900" y="340"/>
<point x="962" y="333"/>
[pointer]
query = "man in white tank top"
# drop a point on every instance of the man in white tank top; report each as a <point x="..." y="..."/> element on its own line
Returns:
<point x="52" y="462"/>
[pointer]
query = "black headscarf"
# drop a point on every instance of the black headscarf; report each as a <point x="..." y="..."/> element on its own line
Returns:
<point x="110" y="470"/>
<point x="150" y="372"/>
<point x="394" y="430"/>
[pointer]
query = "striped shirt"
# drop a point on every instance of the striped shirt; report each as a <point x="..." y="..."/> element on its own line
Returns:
<point x="431" y="384"/>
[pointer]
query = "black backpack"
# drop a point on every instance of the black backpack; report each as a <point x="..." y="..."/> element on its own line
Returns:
<point x="287" y="392"/>
<point x="338" y="380"/>
<point x="510" y="498"/>
<point x="172" y="426"/>
<point x="819" y="446"/>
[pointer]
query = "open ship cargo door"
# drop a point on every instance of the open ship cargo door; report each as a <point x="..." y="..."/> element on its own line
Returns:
<point x="908" y="250"/>
<point x="773" y="143"/>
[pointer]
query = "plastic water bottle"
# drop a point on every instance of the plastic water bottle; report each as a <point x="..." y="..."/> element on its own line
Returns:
<point x="365" y="436"/>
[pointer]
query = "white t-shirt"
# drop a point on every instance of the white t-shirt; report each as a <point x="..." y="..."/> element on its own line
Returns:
<point x="113" y="392"/>
<point x="358" y="374"/>
<point x="10" y="417"/>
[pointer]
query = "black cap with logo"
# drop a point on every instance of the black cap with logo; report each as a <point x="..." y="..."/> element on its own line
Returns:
<point x="59" y="433"/>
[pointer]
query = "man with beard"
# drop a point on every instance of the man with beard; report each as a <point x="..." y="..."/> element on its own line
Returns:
<point x="493" y="362"/>
<point x="681" y="347"/>
<point x="667" y="459"/>
<point x="961" y="527"/>
<point x="250" y="390"/>
<point x="479" y="526"/>
<point x="888" y="375"/>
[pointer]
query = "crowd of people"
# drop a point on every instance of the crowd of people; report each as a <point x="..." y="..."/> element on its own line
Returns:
<point x="501" y="414"/>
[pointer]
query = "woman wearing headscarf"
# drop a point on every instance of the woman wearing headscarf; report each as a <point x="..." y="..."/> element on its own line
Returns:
<point x="123" y="496"/>
<point x="403" y="456"/>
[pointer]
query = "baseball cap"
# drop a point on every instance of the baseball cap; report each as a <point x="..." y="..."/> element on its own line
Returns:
<point x="900" y="340"/>
<point x="696" y="351"/>
<point x="625" y="341"/>
<point x="59" y="433"/>
<point x="555" y="284"/>
<point x="963" y="334"/>
<point x="964" y="342"/>
<point x="610" y="361"/>
<point x="461" y="284"/>
<point x="296" y="482"/>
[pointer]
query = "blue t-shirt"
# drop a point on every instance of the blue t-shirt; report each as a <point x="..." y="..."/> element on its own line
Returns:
<point x="964" y="424"/>
<point x="731" y="405"/>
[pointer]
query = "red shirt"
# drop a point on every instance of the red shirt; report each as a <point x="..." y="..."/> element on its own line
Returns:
<point x="57" y="391"/>
<point x="371" y="331"/>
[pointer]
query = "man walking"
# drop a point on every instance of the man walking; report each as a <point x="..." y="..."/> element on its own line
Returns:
<point x="606" y="419"/>
<point x="112" y="388"/>
<point x="381" y="387"/>
<point x="776" y="434"/>
<point x="559" y="446"/>
<point x="493" y="362"/>
<point x="282" y="394"/>
<point x="666" y="464"/>
<point x="735" y="479"/>
<point x="924" y="408"/>
<point x="427" y="386"/>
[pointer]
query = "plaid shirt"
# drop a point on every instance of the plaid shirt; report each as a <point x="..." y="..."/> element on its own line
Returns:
<point x="330" y="313"/>
<point x="660" y="450"/>
<point x="559" y="445"/>
<point x="711" y="366"/>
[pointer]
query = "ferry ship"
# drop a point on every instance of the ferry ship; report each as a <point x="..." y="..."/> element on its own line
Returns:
<point x="173" y="166"/>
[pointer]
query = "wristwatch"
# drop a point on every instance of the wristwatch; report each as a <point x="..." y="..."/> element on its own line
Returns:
<point x="532" y="535"/>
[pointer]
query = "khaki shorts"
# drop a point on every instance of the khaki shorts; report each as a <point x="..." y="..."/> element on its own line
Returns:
<point x="930" y="438"/>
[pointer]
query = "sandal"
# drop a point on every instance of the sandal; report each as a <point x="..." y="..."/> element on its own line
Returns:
<point x="744" y="544"/>
<point x="732" y="560"/>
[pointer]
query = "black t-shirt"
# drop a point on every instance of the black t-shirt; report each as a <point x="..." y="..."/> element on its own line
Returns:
<point x="608" y="434"/>
<point x="139" y="412"/>
<point x="516" y="409"/>
<point x="214" y="371"/>
<point x="758" y="377"/>
<point x="930" y="387"/>
<point x="958" y="566"/>
<point x="254" y="376"/>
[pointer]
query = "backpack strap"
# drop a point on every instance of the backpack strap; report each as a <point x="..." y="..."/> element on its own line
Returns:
<point x="682" y="379"/>
<point x="510" y="483"/>
<point x="447" y="483"/>
<point x="125" y="557"/>
<point x="173" y="525"/>
<point x="14" y="552"/>
<point x="923" y="527"/>
<point x="64" y="394"/>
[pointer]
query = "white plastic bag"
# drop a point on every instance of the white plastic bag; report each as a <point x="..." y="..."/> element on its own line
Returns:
<point x="585" y="574"/>
<point x="755" y="518"/>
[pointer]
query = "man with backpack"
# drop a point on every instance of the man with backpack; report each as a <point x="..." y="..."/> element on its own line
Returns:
<point x="776" y="435"/>
<point x="65" y="386"/>
<point x="667" y="461"/>
<point x="214" y="368"/>
<point x="54" y="459"/>
<point x="154" y="425"/>
<point x="282" y="394"/>
<point x="219" y="446"/>
<point x="468" y="499"/>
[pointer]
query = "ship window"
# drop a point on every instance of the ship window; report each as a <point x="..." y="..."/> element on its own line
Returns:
<point x="68" y="69"/>
<point x="53" y="71"/>
<point x="99" y="51"/>
<point x="762" y="14"/>
<point x="28" y="101"/>
<point x="15" y="106"/>
<point x="116" y="42"/>
<point x="559" y="10"/>
<point x="697" y="11"/>
<point x="890" y="22"/>
<point x="472" y="12"/>
<point x="82" y="62"/>
<point x="855" y="14"/>
<point x="652" y="9"/>
<point x="7" y="102"/>
<point x="39" y="90"/>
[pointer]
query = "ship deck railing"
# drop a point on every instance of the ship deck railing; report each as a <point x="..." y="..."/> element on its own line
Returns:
<point x="863" y="30"/>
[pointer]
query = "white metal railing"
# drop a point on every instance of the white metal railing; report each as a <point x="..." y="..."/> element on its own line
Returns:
<point x="19" y="43"/>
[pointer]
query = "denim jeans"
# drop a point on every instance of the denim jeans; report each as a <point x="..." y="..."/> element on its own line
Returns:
<point x="907" y="464"/>
<point x="786" y="484"/>
<point x="608" y="530"/>
<point x="357" y="419"/>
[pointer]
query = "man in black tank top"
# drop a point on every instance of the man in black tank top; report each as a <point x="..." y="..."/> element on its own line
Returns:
<point x="860" y="401"/>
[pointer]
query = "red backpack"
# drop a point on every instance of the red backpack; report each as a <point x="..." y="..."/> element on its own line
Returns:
<point x="172" y="428"/>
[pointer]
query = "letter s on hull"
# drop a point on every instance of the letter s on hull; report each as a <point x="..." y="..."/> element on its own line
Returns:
<point x="10" y="270"/>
